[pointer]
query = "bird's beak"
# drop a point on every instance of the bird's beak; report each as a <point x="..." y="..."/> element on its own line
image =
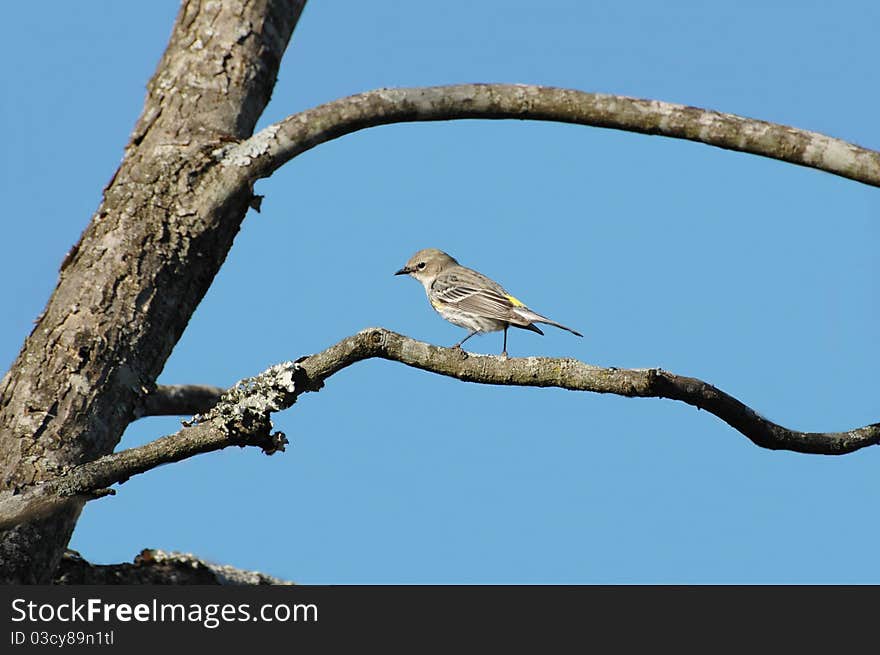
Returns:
<point x="403" y="271"/>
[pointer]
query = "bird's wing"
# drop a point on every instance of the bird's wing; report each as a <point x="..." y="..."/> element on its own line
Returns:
<point x="468" y="290"/>
<point x="472" y="292"/>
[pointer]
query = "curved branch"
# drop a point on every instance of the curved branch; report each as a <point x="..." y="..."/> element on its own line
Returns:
<point x="263" y="153"/>
<point x="575" y="375"/>
<point x="242" y="417"/>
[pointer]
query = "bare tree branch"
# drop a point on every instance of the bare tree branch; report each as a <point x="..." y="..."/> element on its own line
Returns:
<point x="179" y="400"/>
<point x="242" y="417"/>
<point x="263" y="153"/>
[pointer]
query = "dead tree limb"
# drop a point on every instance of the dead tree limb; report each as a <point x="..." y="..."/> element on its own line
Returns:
<point x="263" y="153"/>
<point x="243" y="415"/>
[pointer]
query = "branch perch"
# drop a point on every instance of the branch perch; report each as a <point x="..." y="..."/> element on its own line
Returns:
<point x="242" y="417"/>
<point x="264" y="152"/>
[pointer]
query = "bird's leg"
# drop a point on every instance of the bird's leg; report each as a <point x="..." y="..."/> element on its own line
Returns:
<point x="504" y="349"/>
<point x="470" y="334"/>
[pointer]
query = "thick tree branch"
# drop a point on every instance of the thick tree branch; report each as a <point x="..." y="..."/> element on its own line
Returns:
<point x="263" y="153"/>
<point x="242" y="417"/>
<point x="128" y="288"/>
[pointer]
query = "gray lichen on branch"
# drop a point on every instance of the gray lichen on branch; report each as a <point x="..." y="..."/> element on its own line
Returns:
<point x="244" y="411"/>
<point x="242" y="417"/>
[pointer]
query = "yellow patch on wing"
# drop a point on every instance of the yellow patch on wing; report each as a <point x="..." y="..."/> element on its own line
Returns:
<point x="516" y="301"/>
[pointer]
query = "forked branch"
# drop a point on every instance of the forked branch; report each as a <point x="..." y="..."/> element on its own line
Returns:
<point x="242" y="417"/>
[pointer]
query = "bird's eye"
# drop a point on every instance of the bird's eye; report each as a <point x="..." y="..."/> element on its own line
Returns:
<point x="421" y="265"/>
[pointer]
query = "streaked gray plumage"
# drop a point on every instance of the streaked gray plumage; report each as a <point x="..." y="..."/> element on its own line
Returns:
<point x="469" y="299"/>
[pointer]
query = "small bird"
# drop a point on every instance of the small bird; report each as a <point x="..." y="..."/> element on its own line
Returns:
<point x="469" y="299"/>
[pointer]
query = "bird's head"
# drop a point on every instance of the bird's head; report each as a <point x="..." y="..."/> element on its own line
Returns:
<point x="426" y="264"/>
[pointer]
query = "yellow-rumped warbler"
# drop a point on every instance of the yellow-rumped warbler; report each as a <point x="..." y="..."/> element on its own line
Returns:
<point x="470" y="299"/>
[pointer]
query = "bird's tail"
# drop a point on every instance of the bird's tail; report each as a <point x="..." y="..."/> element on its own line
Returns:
<point x="535" y="317"/>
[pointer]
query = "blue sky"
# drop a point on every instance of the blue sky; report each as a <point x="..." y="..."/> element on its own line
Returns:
<point x="757" y="276"/>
